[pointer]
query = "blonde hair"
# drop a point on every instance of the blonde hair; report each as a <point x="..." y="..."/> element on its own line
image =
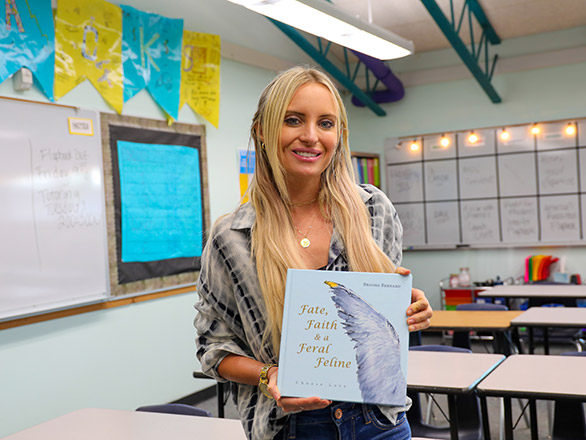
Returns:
<point x="273" y="240"/>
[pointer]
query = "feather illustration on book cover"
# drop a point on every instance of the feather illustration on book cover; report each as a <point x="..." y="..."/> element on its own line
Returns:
<point x="345" y="336"/>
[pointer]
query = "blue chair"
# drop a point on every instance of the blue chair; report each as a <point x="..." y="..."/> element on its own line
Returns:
<point x="569" y="421"/>
<point x="176" y="408"/>
<point x="467" y="406"/>
<point x="501" y="343"/>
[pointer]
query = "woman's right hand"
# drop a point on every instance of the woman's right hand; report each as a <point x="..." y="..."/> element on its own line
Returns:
<point x="293" y="404"/>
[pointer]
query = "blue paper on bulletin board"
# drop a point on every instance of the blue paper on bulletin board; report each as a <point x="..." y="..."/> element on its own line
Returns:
<point x="161" y="203"/>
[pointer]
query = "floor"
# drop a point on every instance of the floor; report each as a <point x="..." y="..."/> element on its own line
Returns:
<point x="521" y="432"/>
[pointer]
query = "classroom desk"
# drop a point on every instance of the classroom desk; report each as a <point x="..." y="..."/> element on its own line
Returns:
<point x="477" y="320"/>
<point x="534" y="377"/>
<point x="109" y="424"/>
<point x="553" y="291"/>
<point x="450" y="373"/>
<point x="545" y="317"/>
<point x="494" y="321"/>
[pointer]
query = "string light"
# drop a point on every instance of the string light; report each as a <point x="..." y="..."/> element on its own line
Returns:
<point x="473" y="138"/>
<point x="570" y="129"/>
<point x="535" y="129"/>
<point x="505" y="135"/>
<point x="414" y="145"/>
<point x="444" y="141"/>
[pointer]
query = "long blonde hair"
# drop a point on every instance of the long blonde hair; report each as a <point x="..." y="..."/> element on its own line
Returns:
<point x="273" y="240"/>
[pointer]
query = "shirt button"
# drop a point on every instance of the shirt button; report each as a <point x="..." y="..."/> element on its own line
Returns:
<point x="338" y="413"/>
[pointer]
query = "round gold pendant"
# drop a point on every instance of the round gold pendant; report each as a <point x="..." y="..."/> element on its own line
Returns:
<point x="305" y="243"/>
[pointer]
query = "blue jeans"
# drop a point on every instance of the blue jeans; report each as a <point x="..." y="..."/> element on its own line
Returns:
<point x="344" y="421"/>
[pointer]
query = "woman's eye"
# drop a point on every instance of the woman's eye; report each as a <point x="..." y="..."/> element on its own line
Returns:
<point x="292" y="120"/>
<point x="327" y="124"/>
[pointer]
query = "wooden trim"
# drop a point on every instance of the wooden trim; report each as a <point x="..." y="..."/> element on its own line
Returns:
<point x="94" y="307"/>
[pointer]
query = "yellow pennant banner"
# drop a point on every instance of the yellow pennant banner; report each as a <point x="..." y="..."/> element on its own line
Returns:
<point x="200" y="74"/>
<point x="88" y="44"/>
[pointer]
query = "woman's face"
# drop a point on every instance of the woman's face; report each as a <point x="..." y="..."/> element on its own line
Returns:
<point x="310" y="133"/>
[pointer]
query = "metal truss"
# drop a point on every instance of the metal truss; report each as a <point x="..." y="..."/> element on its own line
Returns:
<point x="478" y="49"/>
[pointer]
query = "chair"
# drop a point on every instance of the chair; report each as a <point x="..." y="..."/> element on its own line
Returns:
<point x="568" y="415"/>
<point x="501" y="343"/>
<point x="468" y="408"/>
<point x="176" y="408"/>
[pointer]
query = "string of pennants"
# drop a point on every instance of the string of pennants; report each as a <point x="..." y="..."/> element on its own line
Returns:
<point x="119" y="49"/>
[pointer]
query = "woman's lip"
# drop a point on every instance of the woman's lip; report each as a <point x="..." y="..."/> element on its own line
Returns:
<point x="307" y="158"/>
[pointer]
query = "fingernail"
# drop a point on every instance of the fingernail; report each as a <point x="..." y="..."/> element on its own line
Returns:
<point x="411" y="321"/>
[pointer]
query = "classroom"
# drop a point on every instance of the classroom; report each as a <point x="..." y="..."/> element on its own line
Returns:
<point x="143" y="351"/>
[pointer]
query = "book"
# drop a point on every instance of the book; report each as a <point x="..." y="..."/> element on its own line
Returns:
<point x="345" y="336"/>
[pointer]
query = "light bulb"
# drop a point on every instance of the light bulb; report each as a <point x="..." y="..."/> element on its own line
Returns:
<point x="445" y="141"/>
<point x="570" y="129"/>
<point x="473" y="138"/>
<point x="535" y="129"/>
<point x="414" y="145"/>
<point x="505" y="135"/>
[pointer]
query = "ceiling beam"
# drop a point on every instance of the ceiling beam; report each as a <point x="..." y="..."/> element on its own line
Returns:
<point x="470" y="57"/>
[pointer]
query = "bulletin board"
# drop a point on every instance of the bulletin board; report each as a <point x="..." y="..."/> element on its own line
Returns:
<point x="526" y="188"/>
<point x="52" y="212"/>
<point x="157" y="205"/>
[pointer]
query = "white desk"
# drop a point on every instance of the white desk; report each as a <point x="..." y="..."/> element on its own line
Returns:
<point x="536" y="291"/>
<point x="545" y="317"/>
<point x="108" y="424"/>
<point x="450" y="373"/>
<point x="535" y="377"/>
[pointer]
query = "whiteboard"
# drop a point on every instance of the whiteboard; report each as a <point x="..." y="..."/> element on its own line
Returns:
<point x="512" y="185"/>
<point x="515" y="177"/>
<point x="52" y="222"/>
<point x="441" y="180"/>
<point x="411" y="217"/>
<point x="478" y="177"/>
<point x="405" y="182"/>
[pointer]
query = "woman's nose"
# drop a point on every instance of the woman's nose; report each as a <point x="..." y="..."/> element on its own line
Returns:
<point x="309" y="134"/>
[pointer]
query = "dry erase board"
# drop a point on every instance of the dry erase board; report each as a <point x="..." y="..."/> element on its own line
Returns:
<point x="521" y="185"/>
<point x="52" y="217"/>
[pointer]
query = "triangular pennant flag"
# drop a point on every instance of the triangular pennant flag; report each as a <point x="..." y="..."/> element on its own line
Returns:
<point x="151" y="53"/>
<point x="88" y="45"/>
<point x="200" y="76"/>
<point x="27" y="38"/>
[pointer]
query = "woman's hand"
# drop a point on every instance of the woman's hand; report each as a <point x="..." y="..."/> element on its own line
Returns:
<point x="293" y="404"/>
<point x="419" y="312"/>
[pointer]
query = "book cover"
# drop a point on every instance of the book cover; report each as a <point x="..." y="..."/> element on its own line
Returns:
<point x="345" y="336"/>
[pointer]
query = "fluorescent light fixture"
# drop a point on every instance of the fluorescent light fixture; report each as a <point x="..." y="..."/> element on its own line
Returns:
<point x="320" y="18"/>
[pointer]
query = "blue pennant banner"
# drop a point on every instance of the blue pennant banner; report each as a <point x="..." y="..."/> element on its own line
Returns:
<point x="151" y="55"/>
<point x="27" y="39"/>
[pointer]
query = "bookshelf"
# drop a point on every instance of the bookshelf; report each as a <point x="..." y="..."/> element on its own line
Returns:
<point x="367" y="168"/>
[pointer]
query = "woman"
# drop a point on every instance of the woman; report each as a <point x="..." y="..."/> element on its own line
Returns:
<point x="306" y="212"/>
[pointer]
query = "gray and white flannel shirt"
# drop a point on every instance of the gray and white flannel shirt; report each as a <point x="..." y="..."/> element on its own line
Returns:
<point x="232" y="316"/>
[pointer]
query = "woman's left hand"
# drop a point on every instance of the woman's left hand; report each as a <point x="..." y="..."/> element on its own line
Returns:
<point x="419" y="312"/>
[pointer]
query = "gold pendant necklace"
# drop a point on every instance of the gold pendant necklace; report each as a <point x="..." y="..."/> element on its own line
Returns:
<point x="304" y="242"/>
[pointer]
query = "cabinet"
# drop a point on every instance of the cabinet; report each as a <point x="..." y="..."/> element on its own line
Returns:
<point x="367" y="168"/>
<point x="452" y="296"/>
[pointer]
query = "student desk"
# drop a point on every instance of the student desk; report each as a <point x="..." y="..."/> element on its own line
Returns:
<point x="450" y="373"/>
<point x="535" y="377"/>
<point x="538" y="291"/>
<point x="478" y="320"/>
<point x="494" y="321"/>
<point x="108" y="424"/>
<point x="546" y="317"/>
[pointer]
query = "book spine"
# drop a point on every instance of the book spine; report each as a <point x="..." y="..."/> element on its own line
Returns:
<point x="376" y="169"/>
<point x="370" y="168"/>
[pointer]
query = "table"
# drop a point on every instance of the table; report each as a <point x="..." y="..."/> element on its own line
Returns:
<point x="546" y="317"/>
<point x="553" y="291"/>
<point x="450" y="373"/>
<point x="534" y="377"/>
<point x="495" y="321"/>
<point x="479" y="320"/>
<point x="109" y="424"/>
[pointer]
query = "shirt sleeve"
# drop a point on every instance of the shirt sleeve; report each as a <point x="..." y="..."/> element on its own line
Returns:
<point x="218" y="324"/>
